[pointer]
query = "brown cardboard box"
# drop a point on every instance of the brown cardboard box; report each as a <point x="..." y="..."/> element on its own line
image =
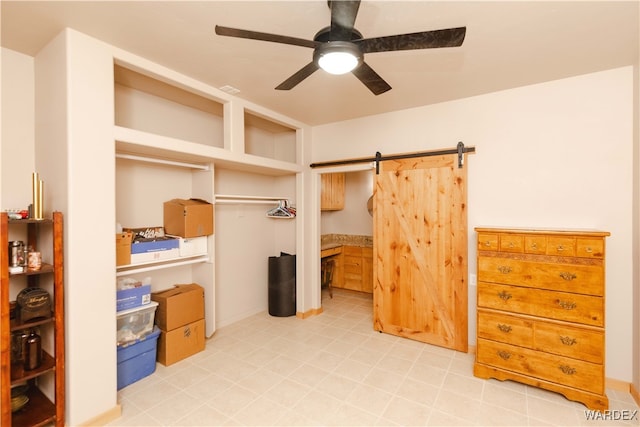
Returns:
<point x="180" y="343"/>
<point x="179" y="306"/>
<point x="188" y="218"/>
<point x="123" y="248"/>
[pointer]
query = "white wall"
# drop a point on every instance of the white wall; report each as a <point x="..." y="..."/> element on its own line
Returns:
<point x="557" y="154"/>
<point x="17" y="148"/>
<point x="245" y="239"/>
<point x="354" y="218"/>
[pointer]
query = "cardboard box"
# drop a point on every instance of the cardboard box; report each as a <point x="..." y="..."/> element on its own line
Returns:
<point x="137" y="360"/>
<point x="179" y="306"/>
<point x="188" y="218"/>
<point x="193" y="246"/>
<point x="155" y="256"/>
<point x="123" y="248"/>
<point x="133" y="297"/>
<point x="155" y="245"/>
<point x="180" y="343"/>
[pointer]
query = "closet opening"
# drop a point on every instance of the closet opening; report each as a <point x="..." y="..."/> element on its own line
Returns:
<point x="345" y="232"/>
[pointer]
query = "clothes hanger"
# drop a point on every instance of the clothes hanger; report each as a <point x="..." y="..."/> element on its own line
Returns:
<point x="282" y="210"/>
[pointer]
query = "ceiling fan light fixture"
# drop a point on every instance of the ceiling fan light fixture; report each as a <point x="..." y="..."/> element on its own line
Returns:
<point x="338" y="57"/>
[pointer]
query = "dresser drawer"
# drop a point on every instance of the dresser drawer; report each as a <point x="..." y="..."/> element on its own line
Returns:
<point x="505" y="328"/>
<point x="590" y="248"/>
<point x="487" y="242"/>
<point x="535" y="244"/>
<point x="578" y="343"/>
<point x="583" y="279"/>
<point x="563" y="246"/>
<point x="512" y="243"/>
<point x="584" y="309"/>
<point x="562" y="370"/>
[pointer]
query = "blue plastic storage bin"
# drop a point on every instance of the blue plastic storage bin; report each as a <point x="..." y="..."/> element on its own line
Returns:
<point x="138" y="359"/>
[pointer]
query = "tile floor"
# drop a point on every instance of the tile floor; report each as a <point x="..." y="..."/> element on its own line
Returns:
<point x="334" y="370"/>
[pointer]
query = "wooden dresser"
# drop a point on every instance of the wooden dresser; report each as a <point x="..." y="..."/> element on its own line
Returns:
<point x="541" y="310"/>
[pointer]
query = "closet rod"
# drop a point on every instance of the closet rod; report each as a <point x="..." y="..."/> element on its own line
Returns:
<point x="236" y="198"/>
<point x="379" y="157"/>
<point x="243" y="201"/>
<point x="162" y="161"/>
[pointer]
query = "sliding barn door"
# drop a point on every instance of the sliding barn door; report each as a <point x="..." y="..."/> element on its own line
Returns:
<point x="420" y="250"/>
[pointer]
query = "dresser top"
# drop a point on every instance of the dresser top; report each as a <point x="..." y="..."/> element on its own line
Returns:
<point x="559" y="232"/>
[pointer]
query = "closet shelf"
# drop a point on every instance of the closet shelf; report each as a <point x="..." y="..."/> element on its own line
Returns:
<point x="125" y="270"/>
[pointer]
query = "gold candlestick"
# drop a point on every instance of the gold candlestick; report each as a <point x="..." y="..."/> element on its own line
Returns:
<point x="35" y="183"/>
<point x="40" y="200"/>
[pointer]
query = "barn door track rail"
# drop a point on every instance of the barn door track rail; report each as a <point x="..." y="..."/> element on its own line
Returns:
<point x="460" y="150"/>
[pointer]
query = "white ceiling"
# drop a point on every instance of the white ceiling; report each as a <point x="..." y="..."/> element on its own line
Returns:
<point x="508" y="44"/>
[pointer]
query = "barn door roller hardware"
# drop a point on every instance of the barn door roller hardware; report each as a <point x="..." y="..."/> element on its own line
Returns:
<point x="459" y="150"/>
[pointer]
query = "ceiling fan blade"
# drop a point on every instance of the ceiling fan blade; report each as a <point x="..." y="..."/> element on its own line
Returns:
<point x="255" y="35"/>
<point x="343" y="17"/>
<point x="451" y="37"/>
<point x="299" y="76"/>
<point x="371" y="79"/>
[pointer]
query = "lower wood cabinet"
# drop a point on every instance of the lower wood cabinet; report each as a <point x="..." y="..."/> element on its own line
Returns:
<point x="541" y="310"/>
<point x="354" y="268"/>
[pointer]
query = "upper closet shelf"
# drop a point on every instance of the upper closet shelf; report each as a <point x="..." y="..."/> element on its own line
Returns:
<point x="139" y="143"/>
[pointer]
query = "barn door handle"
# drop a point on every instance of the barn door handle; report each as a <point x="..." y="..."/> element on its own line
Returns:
<point x="568" y="276"/>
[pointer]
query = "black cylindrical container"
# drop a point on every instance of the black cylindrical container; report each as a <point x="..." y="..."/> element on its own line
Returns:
<point x="33" y="352"/>
<point x="282" y="285"/>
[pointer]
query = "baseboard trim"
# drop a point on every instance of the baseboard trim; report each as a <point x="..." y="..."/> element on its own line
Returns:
<point x="309" y="313"/>
<point x="105" y="418"/>
<point x="635" y="394"/>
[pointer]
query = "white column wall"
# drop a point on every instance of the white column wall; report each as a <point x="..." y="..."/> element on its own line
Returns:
<point x="74" y="144"/>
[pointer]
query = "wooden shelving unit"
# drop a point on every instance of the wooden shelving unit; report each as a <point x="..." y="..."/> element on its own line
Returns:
<point x="40" y="409"/>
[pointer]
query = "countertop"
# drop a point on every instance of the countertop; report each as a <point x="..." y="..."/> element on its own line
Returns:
<point x="329" y="241"/>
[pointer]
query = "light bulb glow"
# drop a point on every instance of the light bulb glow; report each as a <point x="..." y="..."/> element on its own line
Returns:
<point x="337" y="62"/>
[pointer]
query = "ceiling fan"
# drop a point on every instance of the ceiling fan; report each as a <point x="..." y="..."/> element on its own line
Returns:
<point x="340" y="48"/>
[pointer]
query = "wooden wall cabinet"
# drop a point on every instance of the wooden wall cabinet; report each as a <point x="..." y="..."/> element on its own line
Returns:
<point x="332" y="192"/>
<point x="541" y="310"/>
<point x="40" y="409"/>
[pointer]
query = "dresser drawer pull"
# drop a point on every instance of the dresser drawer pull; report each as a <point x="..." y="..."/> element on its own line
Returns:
<point x="567" y="305"/>
<point x="560" y="248"/>
<point x="504" y="295"/>
<point x="487" y="243"/>
<point x="504" y="328"/>
<point x="568" y="276"/>
<point x="505" y="355"/>
<point x="567" y="369"/>
<point x="568" y="340"/>
<point x="504" y="269"/>
<point x="534" y="246"/>
<point x="588" y="249"/>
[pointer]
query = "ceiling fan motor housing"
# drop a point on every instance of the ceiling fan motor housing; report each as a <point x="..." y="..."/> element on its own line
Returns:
<point x="337" y="48"/>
